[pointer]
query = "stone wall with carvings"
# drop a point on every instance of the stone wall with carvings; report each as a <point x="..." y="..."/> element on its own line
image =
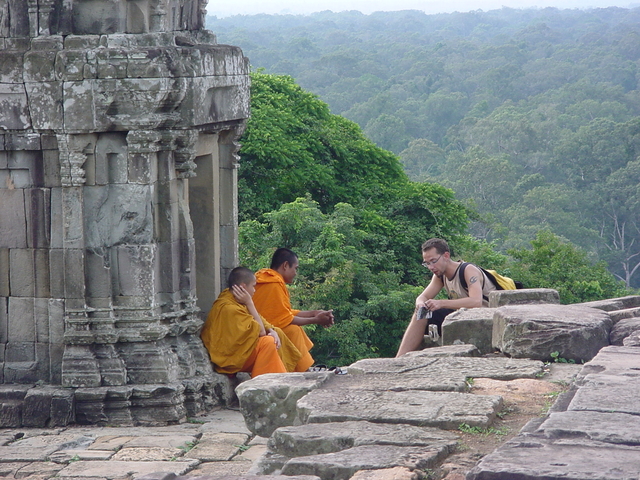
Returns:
<point x="118" y="155"/>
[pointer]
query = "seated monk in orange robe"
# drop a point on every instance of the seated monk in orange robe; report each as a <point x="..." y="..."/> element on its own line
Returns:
<point x="238" y="339"/>
<point x="272" y="301"/>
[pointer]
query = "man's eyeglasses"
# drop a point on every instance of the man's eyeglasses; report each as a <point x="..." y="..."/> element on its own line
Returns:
<point x="432" y="262"/>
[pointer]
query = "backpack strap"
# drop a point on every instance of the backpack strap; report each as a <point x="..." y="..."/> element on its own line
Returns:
<point x="463" y="281"/>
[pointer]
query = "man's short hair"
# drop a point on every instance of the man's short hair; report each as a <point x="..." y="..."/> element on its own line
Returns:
<point x="439" y="244"/>
<point x="240" y="275"/>
<point x="282" y="255"/>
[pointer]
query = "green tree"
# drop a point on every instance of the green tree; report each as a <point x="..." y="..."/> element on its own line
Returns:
<point x="294" y="146"/>
<point x="558" y="264"/>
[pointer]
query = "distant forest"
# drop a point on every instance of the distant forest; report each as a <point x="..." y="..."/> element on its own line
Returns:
<point x="532" y="117"/>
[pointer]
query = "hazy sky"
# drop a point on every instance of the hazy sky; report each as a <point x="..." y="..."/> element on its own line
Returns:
<point x="224" y="8"/>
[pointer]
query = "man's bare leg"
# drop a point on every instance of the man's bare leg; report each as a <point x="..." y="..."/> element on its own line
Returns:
<point x="413" y="335"/>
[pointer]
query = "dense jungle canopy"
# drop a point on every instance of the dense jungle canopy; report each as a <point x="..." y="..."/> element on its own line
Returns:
<point x="515" y="134"/>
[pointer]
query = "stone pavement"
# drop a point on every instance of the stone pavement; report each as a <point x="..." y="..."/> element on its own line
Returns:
<point x="213" y="445"/>
<point x="590" y="433"/>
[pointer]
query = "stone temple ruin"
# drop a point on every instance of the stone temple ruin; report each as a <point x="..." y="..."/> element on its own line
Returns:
<point x="118" y="123"/>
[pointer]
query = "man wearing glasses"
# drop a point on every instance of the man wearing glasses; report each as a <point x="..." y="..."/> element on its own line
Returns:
<point x="430" y="312"/>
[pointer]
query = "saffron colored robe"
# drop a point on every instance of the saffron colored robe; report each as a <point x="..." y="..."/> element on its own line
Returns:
<point x="232" y="338"/>
<point x="273" y="303"/>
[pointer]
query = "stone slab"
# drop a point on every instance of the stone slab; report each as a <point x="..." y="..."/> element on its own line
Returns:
<point x="608" y="393"/>
<point x="536" y="331"/>
<point x="216" y="469"/>
<point x="445" y="410"/>
<point x="499" y="368"/>
<point x="469" y="326"/>
<point x="25" y="454"/>
<point x="605" y="427"/>
<point x="611" y="304"/>
<point x="319" y="438"/>
<point x="72" y="455"/>
<point x="64" y="440"/>
<point x="147" y="454"/>
<point x="526" y="296"/>
<point x="164" y="476"/>
<point x="396" y="473"/>
<point x="546" y="460"/>
<point x="342" y="465"/>
<point x="464" y="350"/>
<point x="623" y="329"/>
<point x="268" y="401"/>
<point x="113" y="470"/>
<point x="161" y="441"/>
<point x="443" y="381"/>
<point x="228" y="421"/>
<point x="214" y="447"/>
<point x="613" y="360"/>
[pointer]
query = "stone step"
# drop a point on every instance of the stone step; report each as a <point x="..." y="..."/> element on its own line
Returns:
<point x="445" y="410"/>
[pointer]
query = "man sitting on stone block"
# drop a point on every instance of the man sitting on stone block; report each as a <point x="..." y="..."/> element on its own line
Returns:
<point x="437" y="258"/>
<point x="273" y="302"/>
<point x="236" y="336"/>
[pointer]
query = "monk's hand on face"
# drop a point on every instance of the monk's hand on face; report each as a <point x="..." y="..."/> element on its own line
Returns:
<point x="276" y="338"/>
<point x="241" y="294"/>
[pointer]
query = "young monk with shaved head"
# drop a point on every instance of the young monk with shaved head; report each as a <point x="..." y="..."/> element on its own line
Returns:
<point x="237" y="337"/>
<point x="273" y="303"/>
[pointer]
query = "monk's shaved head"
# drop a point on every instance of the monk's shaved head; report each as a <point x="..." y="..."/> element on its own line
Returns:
<point x="240" y="275"/>
<point x="282" y="255"/>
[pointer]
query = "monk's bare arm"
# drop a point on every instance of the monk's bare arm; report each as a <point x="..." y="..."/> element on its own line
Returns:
<point x="319" y="317"/>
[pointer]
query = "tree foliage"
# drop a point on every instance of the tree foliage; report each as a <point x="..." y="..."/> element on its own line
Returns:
<point x="530" y="116"/>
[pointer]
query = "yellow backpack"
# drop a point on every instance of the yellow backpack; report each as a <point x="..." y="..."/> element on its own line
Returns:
<point x="500" y="281"/>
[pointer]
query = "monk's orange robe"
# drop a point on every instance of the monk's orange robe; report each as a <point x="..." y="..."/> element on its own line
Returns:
<point x="273" y="303"/>
<point x="232" y="338"/>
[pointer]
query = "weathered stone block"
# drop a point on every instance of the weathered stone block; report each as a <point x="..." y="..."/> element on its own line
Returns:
<point x="343" y="465"/>
<point x="632" y="340"/>
<point x="617" y="315"/>
<point x="23" y="141"/>
<point x="138" y="261"/>
<point x="98" y="274"/>
<point x="4" y="321"/>
<point x="45" y="105"/>
<point x="11" y="67"/>
<point x="538" y="458"/>
<point x="38" y="206"/>
<point x="39" y="66"/>
<point x="118" y="214"/>
<point x="37" y="407"/>
<point x="46" y="42"/>
<point x="41" y="317"/>
<point x="319" y="438"/>
<point x="623" y="329"/>
<point x="22" y="326"/>
<point x="13" y="231"/>
<point x="74" y="286"/>
<point x="56" y="272"/>
<point x="533" y="331"/>
<point x="72" y="218"/>
<point x="15" y="107"/>
<point x="269" y="401"/>
<point x="527" y="296"/>
<point x="69" y="65"/>
<point x="81" y="42"/>
<point x="611" y="304"/>
<point x="472" y="326"/>
<point x="497" y="368"/>
<point x="111" y="159"/>
<point x="4" y="272"/>
<point x="446" y="410"/>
